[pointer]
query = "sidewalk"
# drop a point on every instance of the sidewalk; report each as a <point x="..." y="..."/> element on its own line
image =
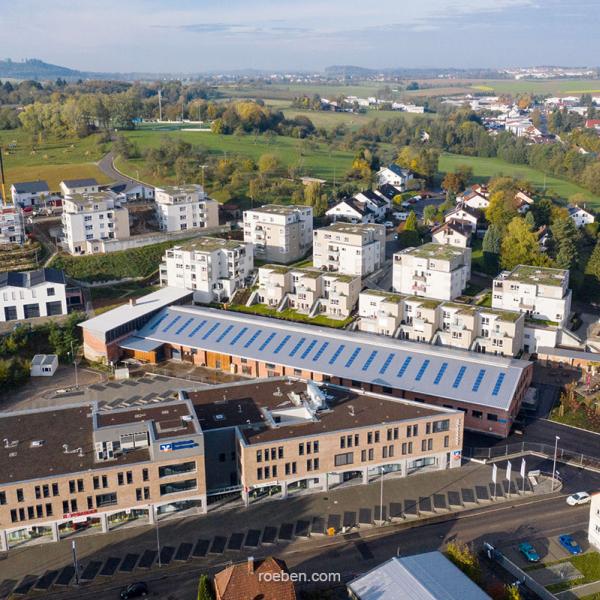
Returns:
<point x="582" y="591"/>
<point x="230" y="530"/>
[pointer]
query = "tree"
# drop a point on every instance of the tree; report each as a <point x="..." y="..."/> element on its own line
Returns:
<point x="592" y="270"/>
<point x="530" y="220"/>
<point x="465" y="559"/>
<point x="542" y="212"/>
<point x="501" y="209"/>
<point x="492" y="241"/>
<point x="430" y="213"/>
<point x="268" y="164"/>
<point x="204" y="589"/>
<point x="520" y="246"/>
<point x="411" y="223"/>
<point x="566" y="239"/>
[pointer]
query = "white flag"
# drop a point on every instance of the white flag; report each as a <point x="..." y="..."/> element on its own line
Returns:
<point x="523" y="468"/>
<point x="508" y="470"/>
<point x="494" y="473"/>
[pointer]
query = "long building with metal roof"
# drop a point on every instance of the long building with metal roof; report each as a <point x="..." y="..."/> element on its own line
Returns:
<point x="489" y="389"/>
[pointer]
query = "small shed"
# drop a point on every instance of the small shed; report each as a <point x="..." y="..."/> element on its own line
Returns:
<point x="44" y="365"/>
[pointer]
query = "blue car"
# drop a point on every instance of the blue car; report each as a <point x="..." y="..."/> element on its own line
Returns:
<point x="528" y="551"/>
<point x="569" y="544"/>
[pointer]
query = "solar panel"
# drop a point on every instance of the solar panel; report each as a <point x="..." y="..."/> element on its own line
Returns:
<point x="211" y="331"/>
<point x="498" y="384"/>
<point x="404" y="366"/>
<point x="266" y="342"/>
<point x="320" y="351"/>
<point x="281" y="344"/>
<point x="459" y="377"/>
<point x="308" y="349"/>
<point x="237" y="336"/>
<point x="158" y="322"/>
<point x="253" y="338"/>
<point x="197" y="328"/>
<point x="478" y="379"/>
<point x="224" y="333"/>
<point x="297" y="347"/>
<point x="369" y="360"/>
<point x="422" y="369"/>
<point x="440" y="374"/>
<point x="182" y="327"/>
<point x="387" y="363"/>
<point x="336" y="354"/>
<point x="171" y="323"/>
<point x="352" y="358"/>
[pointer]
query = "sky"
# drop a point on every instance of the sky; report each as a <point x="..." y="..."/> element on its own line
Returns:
<point x="191" y="36"/>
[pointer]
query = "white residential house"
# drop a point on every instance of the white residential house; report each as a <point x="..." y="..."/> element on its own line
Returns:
<point x="29" y="193"/>
<point x="380" y="312"/>
<point x="594" y="524"/>
<point x="91" y="217"/>
<point x="69" y="187"/>
<point x="30" y="294"/>
<point x="308" y="291"/>
<point x="465" y="214"/>
<point x="213" y="268"/>
<point x="477" y="197"/>
<point x="394" y="175"/>
<point x="44" y="365"/>
<point x="349" y="249"/>
<point x="378" y="203"/>
<point x="12" y="228"/>
<point x="432" y="271"/>
<point x="581" y="217"/>
<point x="183" y="207"/>
<point x="453" y="233"/>
<point x="350" y="210"/>
<point x="281" y="234"/>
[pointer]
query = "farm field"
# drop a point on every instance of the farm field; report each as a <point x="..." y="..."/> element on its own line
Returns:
<point x="552" y="86"/>
<point x="52" y="160"/>
<point x="484" y="168"/>
<point x="318" y="162"/>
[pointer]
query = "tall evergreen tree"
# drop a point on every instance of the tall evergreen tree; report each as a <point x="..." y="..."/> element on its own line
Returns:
<point x="592" y="270"/>
<point x="491" y="249"/>
<point x="566" y="239"/>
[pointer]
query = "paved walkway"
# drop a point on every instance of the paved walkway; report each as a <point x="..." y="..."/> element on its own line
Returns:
<point x="228" y="531"/>
<point x="582" y="591"/>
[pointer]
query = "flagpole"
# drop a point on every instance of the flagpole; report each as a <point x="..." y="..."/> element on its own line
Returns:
<point x="523" y="471"/>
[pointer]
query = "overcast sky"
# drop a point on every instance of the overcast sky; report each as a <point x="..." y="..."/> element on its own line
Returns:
<point x="204" y="35"/>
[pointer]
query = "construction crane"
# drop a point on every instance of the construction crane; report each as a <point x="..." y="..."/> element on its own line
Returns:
<point x="4" y="198"/>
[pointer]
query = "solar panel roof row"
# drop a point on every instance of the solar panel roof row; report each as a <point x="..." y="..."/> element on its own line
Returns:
<point x="389" y="362"/>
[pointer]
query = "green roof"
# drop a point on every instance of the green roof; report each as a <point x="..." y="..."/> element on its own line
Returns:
<point x="281" y="269"/>
<point x="209" y="244"/>
<point x="425" y="302"/>
<point x="535" y="275"/>
<point x="437" y="251"/>
<point x="389" y="296"/>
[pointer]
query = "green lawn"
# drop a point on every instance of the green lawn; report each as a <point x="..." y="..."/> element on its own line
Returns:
<point x="290" y="315"/>
<point x="587" y="564"/>
<point x="484" y="168"/>
<point x="319" y="162"/>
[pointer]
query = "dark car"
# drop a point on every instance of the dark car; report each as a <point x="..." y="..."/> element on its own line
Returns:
<point x="134" y="590"/>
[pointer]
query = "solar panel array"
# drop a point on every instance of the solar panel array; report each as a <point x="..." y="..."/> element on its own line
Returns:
<point x="369" y="359"/>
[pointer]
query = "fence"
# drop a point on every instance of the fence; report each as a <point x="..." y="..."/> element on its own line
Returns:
<point x="547" y="450"/>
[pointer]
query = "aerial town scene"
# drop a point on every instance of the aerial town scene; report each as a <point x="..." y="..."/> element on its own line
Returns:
<point x="300" y="301"/>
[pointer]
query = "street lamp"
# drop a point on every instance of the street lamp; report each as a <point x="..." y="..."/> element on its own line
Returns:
<point x="556" y="438"/>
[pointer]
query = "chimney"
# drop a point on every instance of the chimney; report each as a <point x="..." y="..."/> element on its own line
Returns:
<point x="250" y="565"/>
<point x="131" y="301"/>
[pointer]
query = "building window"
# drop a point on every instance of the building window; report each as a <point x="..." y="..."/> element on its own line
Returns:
<point x="80" y="487"/>
<point x="369" y="437"/>
<point x="344" y="459"/>
<point x="106" y="499"/>
<point x="477" y="414"/>
<point x="65" y="506"/>
<point x="429" y="444"/>
<point x="315" y="463"/>
<point x="301" y="449"/>
<point x="259" y="473"/>
<point x="439" y="426"/>
<point x="48" y="510"/>
<point x="363" y="455"/>
<point x="138" y="494"/>
<point x="178" y="486"/>
<point x="120" y="480"/>
<point x="129" y="477"/>
<point x="146" y="493"/>
<point x="342" y="442"/>
<point x="20" y="496"/>
<point x="371" y="453"/>
<point x="492" y="417"/>
<point x="2" y="498"/>
<point x="168" y="470"/>
<point x="377" y="437"/>
<point x="446" y="441"/>
<point x="315" y="447"/>
<point x="280" y="452"/>
<point x="144" y="474"/>
<point x="259" y="456"/>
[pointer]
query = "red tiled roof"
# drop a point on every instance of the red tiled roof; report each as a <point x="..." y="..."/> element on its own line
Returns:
<point x="246" y="581"/>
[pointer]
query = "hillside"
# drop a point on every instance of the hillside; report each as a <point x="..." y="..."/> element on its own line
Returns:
<point x="34" y="68"/>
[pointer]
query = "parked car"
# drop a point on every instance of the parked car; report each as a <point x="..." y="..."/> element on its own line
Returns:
<point x="529" y="552"/>
<point x="135" y="590"/>
<point x="579" y="498"/>
<point x="569" y="544"/>
<point x="405" y="204"/>
<point x="401" y="216"/>
<point x="389" y="225"/>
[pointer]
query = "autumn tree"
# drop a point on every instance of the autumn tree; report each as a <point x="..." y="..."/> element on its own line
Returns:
<point x="501" y="209"/>
<point x="268" y="164"/>
<point x="465" y="559"/>
<point x="520" y="246"/>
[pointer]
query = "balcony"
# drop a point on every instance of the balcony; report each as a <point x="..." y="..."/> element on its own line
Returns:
<point x="526" y="304"/>
<point x="418" y="277"/>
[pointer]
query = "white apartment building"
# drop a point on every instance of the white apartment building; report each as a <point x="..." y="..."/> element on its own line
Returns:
<point x="213" y="268"/>
<point x="463" y="326"/>
<point x="184" y="207"/>
<point x="281" y="234"/>
<point x="12" y="228"/>
<point x="68" y="187"/>
<point x="32" y="294"/>
<point x="594" y="525"/>
<point x="541" y="293"/>
<point x="349" y="249"/>
<point x="91" y="217"/>
<point x="432" y="271"/>
<point x="308" y="291"/>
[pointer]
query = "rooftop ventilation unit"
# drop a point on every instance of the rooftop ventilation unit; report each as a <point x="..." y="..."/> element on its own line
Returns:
<point x="37" y="443"/>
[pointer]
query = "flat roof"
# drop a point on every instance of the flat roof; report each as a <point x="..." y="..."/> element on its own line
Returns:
<point x="357" y="228"/>
<point x="428" y="576"/>
<point x="279" y="209"/>
<point x="50" y="442"/>
<point x="479" y="379"/>
<point x="242" y="404"/>
<point x="435" y="251"/>
<point x="128" y="312"/>
<point x="535" y="275"/>
<point x="43" y="359"/>
<point x="173" y="190"/>
<point x="209" y="244"/>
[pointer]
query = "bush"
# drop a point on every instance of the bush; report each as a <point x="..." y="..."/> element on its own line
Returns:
<point x="465" y="559"/>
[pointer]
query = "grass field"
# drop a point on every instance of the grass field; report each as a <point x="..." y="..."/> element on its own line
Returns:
<point x="484" y="168"/>
<point x="52" y="160"/>
<point x="318" y="162"/>
<point x="552" y="86"/>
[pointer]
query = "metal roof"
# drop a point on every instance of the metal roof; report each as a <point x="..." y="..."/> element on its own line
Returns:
<point x="27" y="279"/>
<point x="31" y="187"/>
<point x="463" y="376"/>
<point x="428" y="576"/>
<point x="77" y="183"/>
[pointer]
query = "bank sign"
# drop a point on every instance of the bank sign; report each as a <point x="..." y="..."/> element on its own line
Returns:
<point x="174" y="446"/>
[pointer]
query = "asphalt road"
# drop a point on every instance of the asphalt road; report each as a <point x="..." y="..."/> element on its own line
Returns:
<point x="351" y="554"/>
